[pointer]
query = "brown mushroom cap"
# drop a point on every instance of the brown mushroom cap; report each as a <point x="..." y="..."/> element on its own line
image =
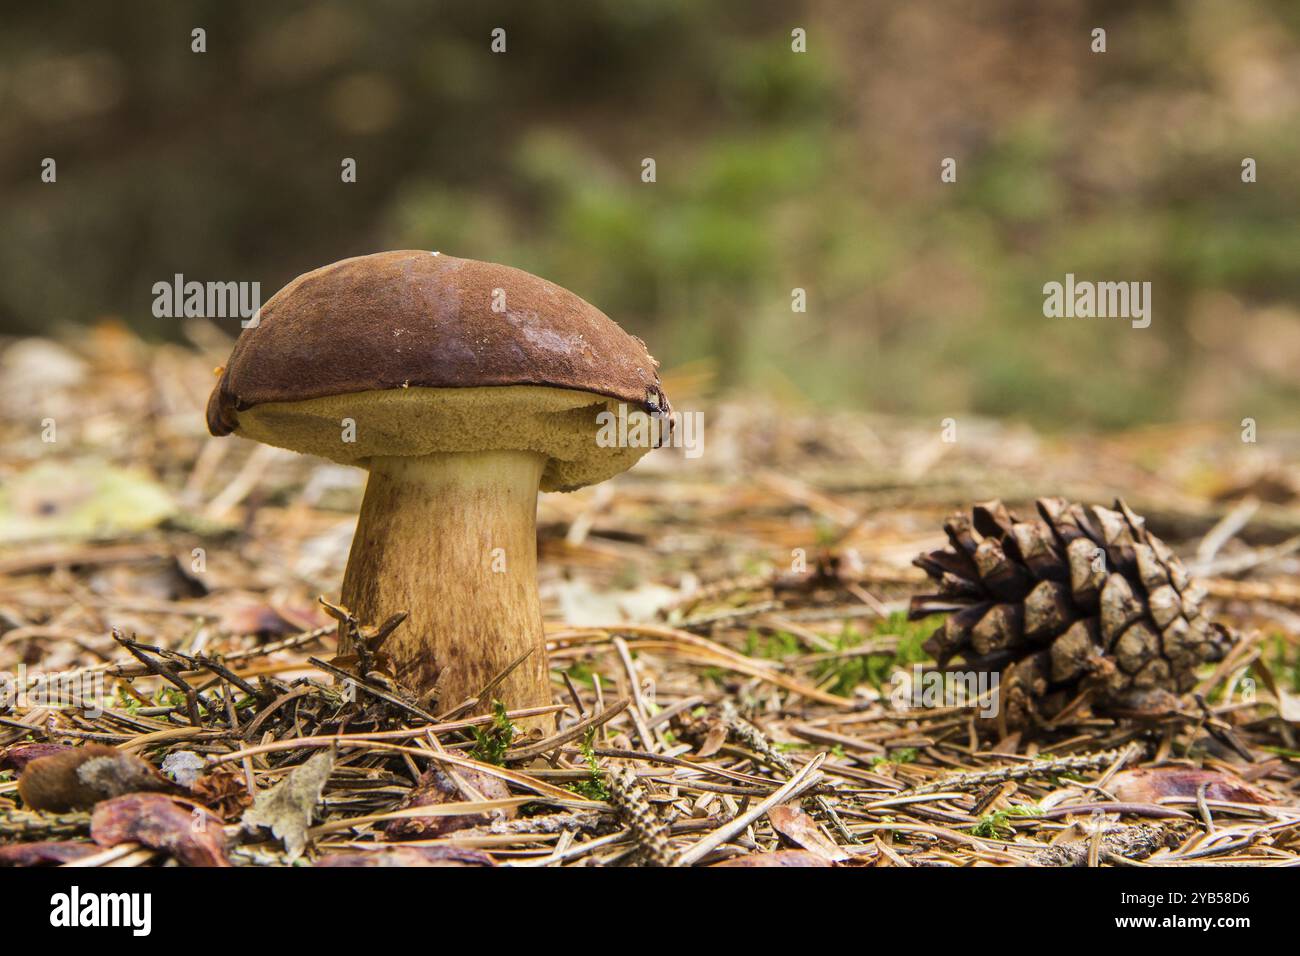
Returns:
<point x="407" y="345"/>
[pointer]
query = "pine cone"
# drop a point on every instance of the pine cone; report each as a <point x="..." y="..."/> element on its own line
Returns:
<point x="1077" y="600"/>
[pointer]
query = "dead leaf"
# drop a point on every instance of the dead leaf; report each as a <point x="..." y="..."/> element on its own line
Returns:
<point x="583" y="605"/>
<point x="193" y="836"/>
<point x="802" y="830"/>
<point x="50" y="853"/>
<point x="19" y="756"/>
<point x="1288" y="706"/>
<point x="1150" y="785"/>
<point x="1274" y="485"/>
<point x="184" y="766"/>
<point x="286" y="809"/>
<point x="224" y="791"/>
<point x="778" y="858"/>
<point x="79" y="778"/>
<point x="410" y="856"/>
<point x="437" y="786"/>
<point x="263" y="620"/>
<point x="713" y="740"/>
<point x="79" y="500"/>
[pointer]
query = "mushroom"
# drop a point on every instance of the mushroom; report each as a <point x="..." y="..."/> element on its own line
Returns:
<point x="464" y="388"/>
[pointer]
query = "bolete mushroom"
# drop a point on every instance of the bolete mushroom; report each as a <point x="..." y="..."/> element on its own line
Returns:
<point x="464" y="388"/>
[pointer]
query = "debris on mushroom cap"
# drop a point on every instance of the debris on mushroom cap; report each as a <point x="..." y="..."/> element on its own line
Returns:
<point x="431" y="354"/>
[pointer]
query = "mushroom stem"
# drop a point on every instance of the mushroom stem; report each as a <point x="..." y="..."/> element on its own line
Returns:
<point x="452" y="540"/>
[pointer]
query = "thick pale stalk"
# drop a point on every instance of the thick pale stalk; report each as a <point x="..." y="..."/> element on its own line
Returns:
<point x="452" y="540"/>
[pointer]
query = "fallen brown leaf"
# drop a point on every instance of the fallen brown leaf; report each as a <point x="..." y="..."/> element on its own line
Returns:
<point x="193" y="836"/>
<point x="264" y="620"/>
<point x="410" y="856"/>
<point x="1150" y="785"/>
<point x="437" y="786"/>
<point x="713" y="740"/>
<point x="19" y="756"/>
<point x="223" y="791"/>
<point x="49" y="853"/>
<point x="286" y="809"/>
<point x="802" y="830"/>
<point x="778" y="858"/>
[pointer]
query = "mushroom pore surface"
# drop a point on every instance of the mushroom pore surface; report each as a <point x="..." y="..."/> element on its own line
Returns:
<point x="560" y="424"/>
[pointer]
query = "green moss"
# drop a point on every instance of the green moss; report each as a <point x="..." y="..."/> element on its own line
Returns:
<point x="492" y="743"/>
<point x="847" y="672"/>
<point x="593" y="788"/>
<point x="581" y="672"/>
<point x="1283" y="660"/>
<point x="876" y="669"/>
<point x="899" y="756"/>
<point x="996" y="825"/>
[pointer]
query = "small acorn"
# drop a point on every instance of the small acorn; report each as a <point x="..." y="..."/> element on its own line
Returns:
<point x="77" y="779"/>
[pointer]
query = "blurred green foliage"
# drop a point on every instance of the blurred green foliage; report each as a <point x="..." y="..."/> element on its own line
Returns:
<point x="847" y="666"/>
<point x="775" y="171"/>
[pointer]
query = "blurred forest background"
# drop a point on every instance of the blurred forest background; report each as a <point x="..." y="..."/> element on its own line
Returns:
<point x="775" y="170"/>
